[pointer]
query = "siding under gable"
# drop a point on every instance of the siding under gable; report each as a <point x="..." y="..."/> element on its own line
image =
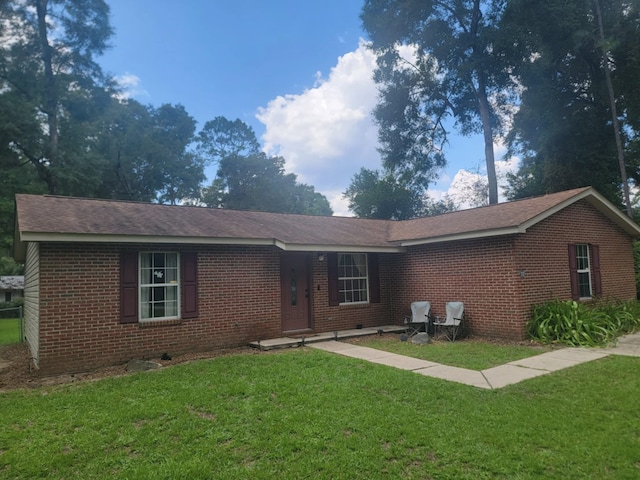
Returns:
<point x="32" y="300"/>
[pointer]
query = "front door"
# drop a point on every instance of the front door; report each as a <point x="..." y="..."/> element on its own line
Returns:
<point x="295" y="288"/>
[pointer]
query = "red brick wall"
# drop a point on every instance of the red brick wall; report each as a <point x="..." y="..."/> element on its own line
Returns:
<point x="481" y="273"/>
<point x="331" y="318"/>
<point x="542" y="254"/>
<point x="486" y="274"/>
<point x="239" y="301"/>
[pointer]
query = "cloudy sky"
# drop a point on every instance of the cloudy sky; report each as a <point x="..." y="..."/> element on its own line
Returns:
<point x="298" y="72"/>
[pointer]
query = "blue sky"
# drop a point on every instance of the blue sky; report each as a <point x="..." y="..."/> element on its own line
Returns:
<point x="297" y="71"/>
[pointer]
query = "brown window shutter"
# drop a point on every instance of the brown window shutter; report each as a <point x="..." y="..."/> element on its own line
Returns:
<point x="189" y="285"/>
<point x="595" y="270"/>
<point x="332" y="269"/>
<point x="573" y="271"/>
<point x="129" y="287"/>
<point x="374" y="278"/>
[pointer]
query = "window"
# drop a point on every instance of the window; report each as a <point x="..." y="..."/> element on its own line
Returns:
<point x="584" y="265"/>
<point x="7" y="296"/>
<point x="353" y="279"/>
<point x="159" y="285"/>
<point x="343" y="269"/>
<point x="583" y="271"/>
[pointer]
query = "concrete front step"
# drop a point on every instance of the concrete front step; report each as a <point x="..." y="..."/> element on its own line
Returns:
<point x="303" y="339"/>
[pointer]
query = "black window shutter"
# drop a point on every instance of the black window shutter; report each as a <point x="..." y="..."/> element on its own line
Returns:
<point x="332" y="270"/>
<point x="595" y="270"/>
<point x="573" y="270"/>
<point x="189" y="285"/>
<point x="374" y="278"/>
<point x="129" y="287"/>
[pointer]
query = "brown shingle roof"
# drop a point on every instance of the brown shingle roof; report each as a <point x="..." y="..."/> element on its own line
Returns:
<point x="492" y="219"/>
<point x="42" y="218"/>
<point x="80" y="216"/>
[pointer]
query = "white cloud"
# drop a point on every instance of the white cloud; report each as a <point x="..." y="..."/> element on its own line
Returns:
<point x="326" y="133"/>
<point x="130" y="86"/>
<point x="461" y="189"/>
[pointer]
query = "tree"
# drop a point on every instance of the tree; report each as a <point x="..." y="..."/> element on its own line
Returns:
<point x="258" y="182"/>
<point x="372" y="194"/>
<point x="248" y="179"/>
<point x="380" y="195"/>
<point x="614" y="110"/>
<point x="220" y="138"/>
<point x="456" y="73"/>
<point x="47" y="69"/>
<point x="144" y="153"/>
<point x="563" y="128"/>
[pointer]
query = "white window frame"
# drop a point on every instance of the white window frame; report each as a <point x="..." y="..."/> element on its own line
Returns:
<point x="345" y="293"/>
<point x="175" y="284"/>
<point x="583" y="267"/>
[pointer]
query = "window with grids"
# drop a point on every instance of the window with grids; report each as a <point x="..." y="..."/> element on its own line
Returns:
<point x="159" y="285"/>
<point x="353" y="280"/>
<point x="584" y="271"/>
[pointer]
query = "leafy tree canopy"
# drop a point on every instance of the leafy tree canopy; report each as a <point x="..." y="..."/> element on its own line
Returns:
<point x="454" y="73"/>
<point x="377" y="195"/>
<point x="563" y="130"/>
<point x="248" y="179"/>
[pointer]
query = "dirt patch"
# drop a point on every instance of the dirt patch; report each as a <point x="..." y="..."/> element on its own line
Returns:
<point x="16" y="367"/>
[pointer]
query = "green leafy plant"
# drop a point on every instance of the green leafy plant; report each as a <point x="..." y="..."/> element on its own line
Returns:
<point x="579" y="324"/>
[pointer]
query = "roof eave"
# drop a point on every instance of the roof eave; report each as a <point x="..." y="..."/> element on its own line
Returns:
<point x="463" y="236"/>
<point x="303" y="247"/>
<point x="603" y="205"/>
<point x="160" y="239"/>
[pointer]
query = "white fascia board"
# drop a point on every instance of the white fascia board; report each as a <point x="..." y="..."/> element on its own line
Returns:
<point x="159" y="239"/>
<point x="463" y="236"/>
<point x="607" y="208"/>
<point x="296" y="247"/>
<point x="94" y="238"/>
<point x="614" y="214"/>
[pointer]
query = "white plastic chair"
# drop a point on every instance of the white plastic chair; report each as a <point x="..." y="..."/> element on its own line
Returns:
<point x="420" y="315"/>
<point x="451" y="324"/>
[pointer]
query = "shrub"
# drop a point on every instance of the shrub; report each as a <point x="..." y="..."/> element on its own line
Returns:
<point x="579" y="324"/>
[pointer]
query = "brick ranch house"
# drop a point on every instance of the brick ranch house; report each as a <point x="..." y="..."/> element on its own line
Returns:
<point x="107" y="281"/>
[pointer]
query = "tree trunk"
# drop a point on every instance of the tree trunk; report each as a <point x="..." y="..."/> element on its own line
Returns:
<point x="50" y="95"/>
<point x="484" y="109"/>
<point x="485" y="117"/>
<point x="614" y="114"/>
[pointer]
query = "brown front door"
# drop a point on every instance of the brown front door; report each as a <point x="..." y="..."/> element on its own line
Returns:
<point x="296" y="291"/>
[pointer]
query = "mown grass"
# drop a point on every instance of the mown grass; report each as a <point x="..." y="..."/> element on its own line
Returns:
<point x="465" y="353"/>
<point x="310" y="414"/>
<point x="9" y="330"/>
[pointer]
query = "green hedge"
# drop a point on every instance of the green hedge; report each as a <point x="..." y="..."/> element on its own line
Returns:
<point x="580" y="324"/>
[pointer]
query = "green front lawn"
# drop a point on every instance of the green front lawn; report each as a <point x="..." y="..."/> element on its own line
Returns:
<point x="304" y="413"/>
<point x="9" y="330"/>
<point x="465" y="353"/>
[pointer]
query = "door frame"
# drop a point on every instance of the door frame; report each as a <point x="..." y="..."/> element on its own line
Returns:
<point x="286" y="260"/>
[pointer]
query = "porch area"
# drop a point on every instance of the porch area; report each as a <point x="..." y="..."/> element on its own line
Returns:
<point x="303" y="339"/>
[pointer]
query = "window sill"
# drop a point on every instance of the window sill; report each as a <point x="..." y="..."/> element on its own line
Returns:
<point x="354" y="305"/>
<point x="159" y="323"/>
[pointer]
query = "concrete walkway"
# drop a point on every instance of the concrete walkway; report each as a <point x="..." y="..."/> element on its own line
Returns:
<point x="492" y="378"/>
